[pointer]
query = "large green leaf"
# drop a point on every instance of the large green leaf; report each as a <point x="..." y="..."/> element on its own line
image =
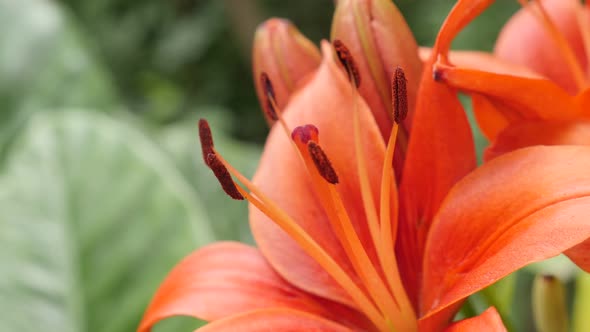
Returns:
<point x="45" y="64"/>
<point x="45" y="61"/>
<point x="92" y="217"/>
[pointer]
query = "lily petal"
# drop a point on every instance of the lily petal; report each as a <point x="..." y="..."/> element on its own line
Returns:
<point x="461" y="14"/>
<point x="491" y="115"/>
<point x="285" y="55"/>
<point x="583" y="102"/>
<point x="229" y="278"/>
<point x="534" y="98"/>
<point x="380" y="40"/>
<point x="326" y="102"/>
<point x="539" y="133"/>
<point x="440" y="152"/>
<point x="483" y="61"/>
<point x="519" y="208"/>
<point x="271" y="320"/>
<point x="524" y="41"/>
<point x="488" y="321"/>
<point x="580" y="255"/>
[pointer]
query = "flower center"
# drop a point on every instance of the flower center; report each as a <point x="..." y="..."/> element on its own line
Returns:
<point x="380" y="294"/>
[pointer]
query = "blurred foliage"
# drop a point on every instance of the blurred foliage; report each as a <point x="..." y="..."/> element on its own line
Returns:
<point x="102" y="186"/>
<point x="88" y="204"/>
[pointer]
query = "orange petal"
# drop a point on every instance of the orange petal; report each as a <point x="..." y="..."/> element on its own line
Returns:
<point x="534" y="98"/>
<point x="229" y="278"/>
<point x="580" y="255"/>
<point x="488" y="321"/>
<point x="440" y="152"/>
<point x="326" y="102"/>
<point x="583" y="102"/>
<point x="380" y="40"/>
<point x="525" y="41"/>
<point x="483" y="61"/>
<point x="522" y="207"/>
<point x="491" y="115"/>
<point x="274" y="320"/>
<point x="539" y="133"/>
<point x="461" y="14"/>
<point x="285" y="55"/>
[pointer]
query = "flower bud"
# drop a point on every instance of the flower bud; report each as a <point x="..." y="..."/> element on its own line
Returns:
<point x="580" y="319"/>
<point x="379" y="40"/>
<point x="285" y="55"/>
<point x="549" y="308"/>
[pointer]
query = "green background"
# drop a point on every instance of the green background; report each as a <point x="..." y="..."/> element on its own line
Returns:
<point x="102" y="189"/>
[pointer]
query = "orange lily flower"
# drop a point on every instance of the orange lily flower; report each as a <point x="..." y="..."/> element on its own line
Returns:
<point x="534" y="90"/>
<point x="319" y="268"/>
<point x="341" y="249"/>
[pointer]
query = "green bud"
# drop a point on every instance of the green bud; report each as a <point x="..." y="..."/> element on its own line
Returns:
<point x="549" y="308"/>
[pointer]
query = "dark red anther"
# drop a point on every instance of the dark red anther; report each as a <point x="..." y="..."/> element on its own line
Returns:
<point x="399" y="94"/>
<point x="222" y="174"/>
<point x="269" y="95"/>
<point x="206" y="139"/>
<point x="347" y="61"/>
<point x="305" y="134"/>
<point x="322" y="163"/>
<point x="267" y="85"/>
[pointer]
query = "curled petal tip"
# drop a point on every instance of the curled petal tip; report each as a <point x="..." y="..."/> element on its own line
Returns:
<point x="379" y="40"/>
<point x="286" y="57"/>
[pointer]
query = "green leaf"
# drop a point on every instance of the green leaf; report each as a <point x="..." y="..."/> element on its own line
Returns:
<point x="500" y="295"/>
<point x="92" y="217"/>
<point x="45" y="61"/>
<point x="45" y="64"/>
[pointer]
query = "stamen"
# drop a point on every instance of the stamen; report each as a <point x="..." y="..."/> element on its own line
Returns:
<point x="367" y="196"/>
<point x="345" y="231"/>
<point x="272" y="109"/>
<point x="558" y="38"/>
<point x="277" y="215"/>
<point x="270" y="97"/>
<point x="389" y="195"/>
<point x="206" y="139"/>
<point x="322" y="163"/>
<point x="227" y="183"/>
<point x="347" y="61"/>
<point x="399" y="93"/>
<point x="363" y="176"/>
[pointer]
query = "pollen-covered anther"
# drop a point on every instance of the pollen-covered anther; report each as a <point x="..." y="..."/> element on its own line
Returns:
<point x="269" y="95"/>
<point x="399" y="94"/>
<point x="223" y="176"/>
<point x="322" y="163"/>
<point x="347" y="61"/>
<point x="206" y="139"/>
